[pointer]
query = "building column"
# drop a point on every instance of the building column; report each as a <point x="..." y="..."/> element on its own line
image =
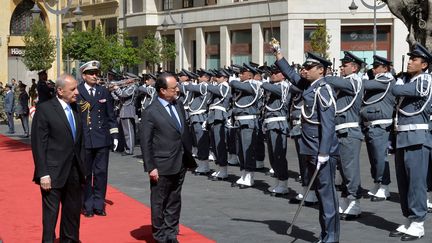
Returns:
<point x="180" y="61"/>
<point x="225" y="46"/>
<point x="333" y="27"/>
<point x="292" y="40"/>
<point x="257" y="44"/>
<point x="399" y="45"/>
<point x="200" y="48"/>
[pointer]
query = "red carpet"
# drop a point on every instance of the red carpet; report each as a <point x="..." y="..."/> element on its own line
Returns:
<point x="21" y="215"/>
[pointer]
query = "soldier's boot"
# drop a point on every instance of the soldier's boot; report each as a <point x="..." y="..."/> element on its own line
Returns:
<point x="310" y="200"/>
<point x="203" y="167"/>
<point x="382" y="194"/>
<point x="211" y="157"/>
<point x="222" y="173"/>
<point x="343" y="204"/>
<point x="270" y="172"/>
<point x="214" y="174"/>
<point x="281" y="188"/>
<point x="275" y="184"/>
<point x="233" y="159"/>
<point x="248" y="179"/>
<point x="353" y="210"/>
<point x="401" y="230"/>
<point x="414" y="231"/>
<point x="374" y="189"/>
<point x="429" y="206"/>
<point x="260" y="164"/>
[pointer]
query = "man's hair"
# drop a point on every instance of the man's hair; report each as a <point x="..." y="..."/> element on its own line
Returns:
<point x="61" y="81"/>
<point x="161" y="81"/>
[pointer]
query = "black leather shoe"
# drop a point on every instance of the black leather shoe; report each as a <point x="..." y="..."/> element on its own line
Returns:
<point x="349" y="217"/>
<point x="407" y="237"/>
<point x="429" y="210"/>
<point x="396" y="233"/>
<point x="306" y="203"/>
<point x="87" y="214"/>
<point x="377" y="199"/>
<point x="126" y="154"/>
<point x="99" y="212"/>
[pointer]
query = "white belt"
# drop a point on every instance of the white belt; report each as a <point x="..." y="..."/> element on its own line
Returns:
<point x="246" y="117"/>
<point x="430" y="117"/>
<point x="411" y="127"/>
<point x="197" y="112"/>
<point x="379" y="122"/>
<point x="274" y="119"/>
<point x="346" y="125"/>
<point x="218" y="107"/>
<point x="296" y="122"/>
<point x="186" y="107"/>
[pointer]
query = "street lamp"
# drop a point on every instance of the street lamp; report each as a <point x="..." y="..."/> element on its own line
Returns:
<point x="58" y="11"/>
<point x="353" y="9"/>
<point x="180" y="25"/>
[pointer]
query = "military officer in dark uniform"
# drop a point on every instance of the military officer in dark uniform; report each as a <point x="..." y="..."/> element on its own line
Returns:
<point x="377" y="119"/>
<point x="216" y="120"/>
<point x="413" y="142"/>
<point x="100" y="132"/>
<point x="246" y="115"/>
<point x="318" y="142"/>
<point x="44" y="88"/>
<point x="349" y="99"/>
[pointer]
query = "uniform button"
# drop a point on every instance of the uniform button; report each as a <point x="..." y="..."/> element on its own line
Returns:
<point x="89" y="123"/>
<point x="99" y="122"/>
<point x="99" y="127"/>
<point x="90" y="128"/>
<point x="98" y="110"/>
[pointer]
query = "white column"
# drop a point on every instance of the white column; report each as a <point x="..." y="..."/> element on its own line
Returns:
<point x="400" y="46"/>
<point x="257" y="44"/>
<point x="284" y="38"/>
<point x="333" y="27"/>
<point x="179" y="50"/>
<point x="295" y="40"/>
<point x="200" y="48"/>
<point x="225" y="46"/>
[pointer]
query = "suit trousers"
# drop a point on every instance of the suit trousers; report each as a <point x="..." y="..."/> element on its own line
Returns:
<point x="218" y="142"/>
<point x="203" y="141"/>
<point x="411" y="172"/>
<point x="259" y="145"/>
<point x="376" y="143"/>
<point x="327" y="197"/>
<point x="25" y="123"/>
<point x="277" y="148"/>
<point x="10" y="118"/>
<point x="96" y="181"/>
<point x="165" y="202"/>
<point x="349" y="149"/>
<point x="70" y="198"/>
<point x="231" y="140"/>
<point x="246" y="151"/>
<point x="129" y="134"/>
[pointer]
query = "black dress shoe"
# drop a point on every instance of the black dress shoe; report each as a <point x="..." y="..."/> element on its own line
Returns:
<point x="396" y="233"/>
<point x="429" y="210"/>
<point x="87" y="214"/>
<point x="99" y="212"/>
<point x="349" y="217"/>
<point x="126" y="154"/>
<point x="306" y="203"/>
<point x="377" y="199"/>
<point x="407" y="237"/>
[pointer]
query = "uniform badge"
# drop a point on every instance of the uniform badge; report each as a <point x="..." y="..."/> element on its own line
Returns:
<point x="102" y="101"/>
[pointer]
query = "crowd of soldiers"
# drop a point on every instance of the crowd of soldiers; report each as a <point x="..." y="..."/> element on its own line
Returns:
<point x="233" y="111"/>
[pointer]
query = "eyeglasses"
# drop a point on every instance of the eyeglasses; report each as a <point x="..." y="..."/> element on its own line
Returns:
<point x="175" y="87"/>
<point x="91" y="72"/>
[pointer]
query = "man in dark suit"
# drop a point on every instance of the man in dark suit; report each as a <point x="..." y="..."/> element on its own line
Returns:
<point x="167" y="152"/>
<point x="45" y="89"/>
<point x="9" y="107"/>
<point x="59" y="160"/>
<point x="100" y="131"/>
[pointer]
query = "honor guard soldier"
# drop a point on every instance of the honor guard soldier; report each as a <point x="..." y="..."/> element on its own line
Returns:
<point x="148" y="91"/>
<point x="275" y="127"/>
<point x="318" y="142"/>
<point x="198" y="116"/>
<point x="413" y="142"/>
<point x="349" y="90"/>
<point x="100" y="130"/>
<point x="127" y="114"/>
<point x="216" y="120"/>
<point x="377" y="119"/>
<point x="246" y="115"/>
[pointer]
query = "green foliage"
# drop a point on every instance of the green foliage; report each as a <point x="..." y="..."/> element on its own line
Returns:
<point x="113" y="51"/>
<point x="154" y="50"/>
<point x="320" y="39"/>
<point x="40" y="50"/>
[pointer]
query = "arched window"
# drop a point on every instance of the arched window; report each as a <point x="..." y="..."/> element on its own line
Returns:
<point x="22" y="18"/>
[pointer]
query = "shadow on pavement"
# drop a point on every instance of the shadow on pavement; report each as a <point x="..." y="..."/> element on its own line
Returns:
<point x="143" y="233"/>
<point x="371" y="219"/>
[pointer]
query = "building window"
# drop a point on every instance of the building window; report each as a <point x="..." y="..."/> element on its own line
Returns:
<point x="137" y="6"/>
<point x="187" y="3"/>
<point x="210" y="2"/>
<point x="22" y="19"/>
<point x="111" y="26"/>
<point x="241" y="41"/>
<point x="212" y="50"/>
<point x="167" y="4"/>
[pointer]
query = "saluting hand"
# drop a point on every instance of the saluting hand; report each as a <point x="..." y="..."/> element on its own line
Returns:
<point x="154" y="175"/>
<point x="45" y="183"/>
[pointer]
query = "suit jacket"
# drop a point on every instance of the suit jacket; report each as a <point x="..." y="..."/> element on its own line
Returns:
<point x="9" y="102"/>
<point x="163" y="146"/>
<point x="97" y="114"/>
<point x="54" y="149"/>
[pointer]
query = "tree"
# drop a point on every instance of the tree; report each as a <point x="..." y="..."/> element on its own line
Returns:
<point x="417" y="16"/>
<point x="154" y="50"/>
<point x="113" y="51"/>
<point x="320" y="39"/>
<point x="40" y="47"/>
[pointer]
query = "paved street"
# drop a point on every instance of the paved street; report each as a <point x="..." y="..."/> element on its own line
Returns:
<point x="228" y="214"/>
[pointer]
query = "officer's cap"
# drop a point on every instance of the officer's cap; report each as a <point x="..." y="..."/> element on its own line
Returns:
<point x="91" y="65"/>
<point x="222" y="73"/>
<point x="255" y="65"/>
<point x="274" y="69"/>
<point x="349" y="57"/>
<point x="203" y="72"/>
<point x="420" y="51"/>
<point x="182" y="73"/>
<point x="380" y="61"/>
<point x="248" y="68"/>
<point x="9" y="86"/>
<point x="313" y="60"/>
<point x="235" y="68"/>
<point x="151" y="76"/>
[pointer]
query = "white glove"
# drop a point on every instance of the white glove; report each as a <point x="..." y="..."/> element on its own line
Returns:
<point x="322" y="159"/>
<point x="228" y="123"/>
<point x="115" y="142"/>
<point x="266" y="80"/>
<point x="399" y="82"/>
<point x="204" y="126"/>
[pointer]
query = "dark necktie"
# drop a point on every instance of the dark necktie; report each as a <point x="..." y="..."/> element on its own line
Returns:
<point x="91" y="92"/>
<point x="173" y="116"/>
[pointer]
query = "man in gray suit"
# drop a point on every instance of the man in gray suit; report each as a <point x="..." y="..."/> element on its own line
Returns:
<point x="9" y="107"/>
